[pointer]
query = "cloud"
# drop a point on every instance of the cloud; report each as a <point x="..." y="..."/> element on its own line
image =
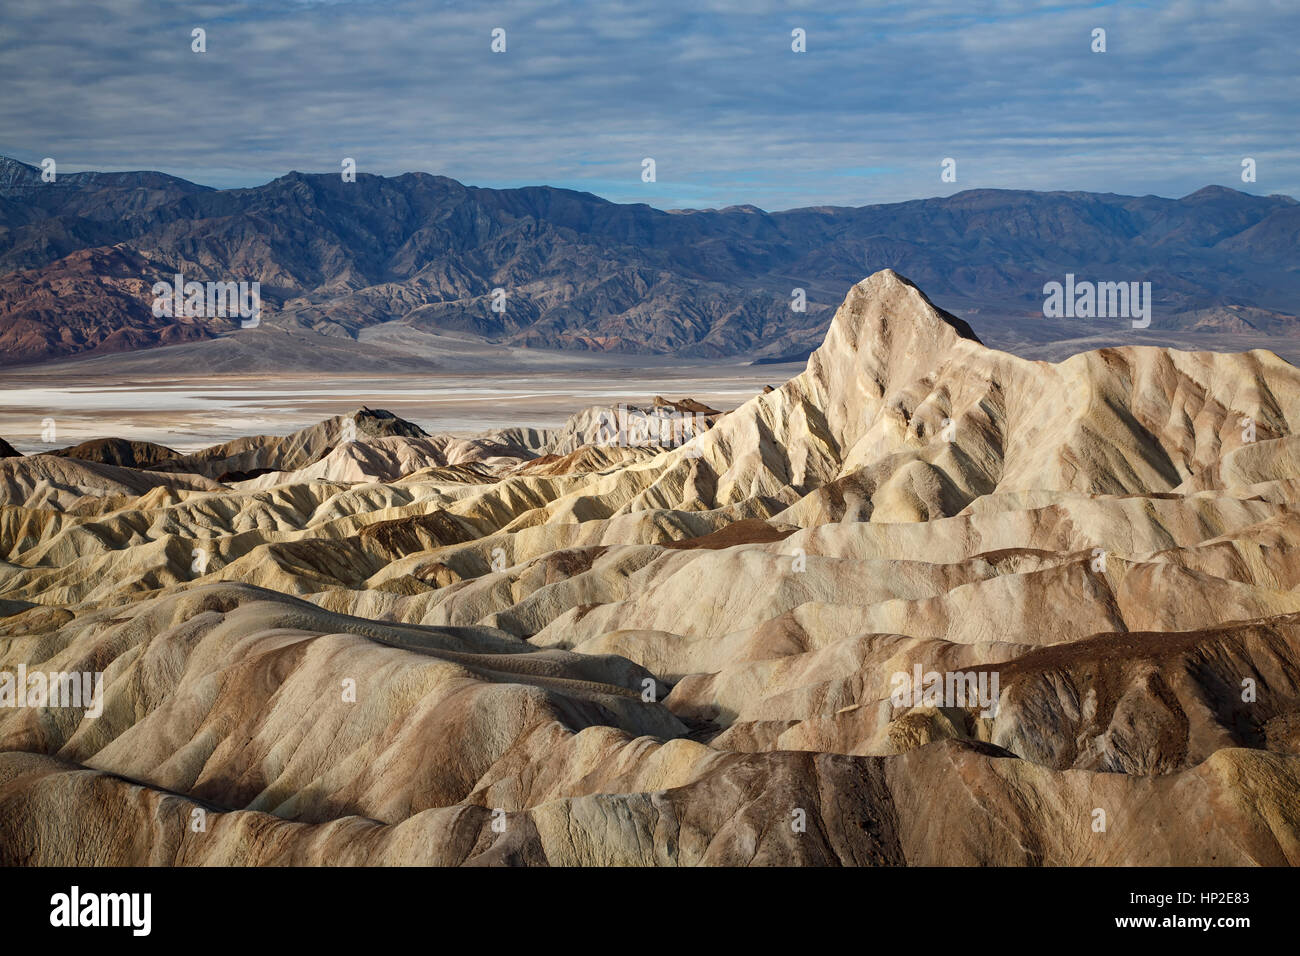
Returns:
<point x="710" y="89"/>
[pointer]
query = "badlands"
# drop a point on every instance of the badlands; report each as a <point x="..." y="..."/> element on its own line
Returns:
<point x="364" y="644"/>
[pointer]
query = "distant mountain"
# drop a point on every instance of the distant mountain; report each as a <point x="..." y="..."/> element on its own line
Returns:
<point x="78" y="258"/>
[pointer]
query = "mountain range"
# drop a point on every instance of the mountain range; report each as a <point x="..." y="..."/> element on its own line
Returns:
<point x="334" y="259"/>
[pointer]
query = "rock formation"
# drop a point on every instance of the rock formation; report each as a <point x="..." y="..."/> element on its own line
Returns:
<point x="366" y="644"/>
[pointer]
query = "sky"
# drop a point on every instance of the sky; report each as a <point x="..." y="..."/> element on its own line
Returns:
<point x="711" y="90"/>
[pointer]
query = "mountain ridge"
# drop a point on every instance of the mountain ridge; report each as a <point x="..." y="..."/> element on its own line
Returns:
<point x="579" y="272"/>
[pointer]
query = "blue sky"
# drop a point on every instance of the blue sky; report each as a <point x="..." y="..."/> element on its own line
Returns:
<point x="711" y="90"/>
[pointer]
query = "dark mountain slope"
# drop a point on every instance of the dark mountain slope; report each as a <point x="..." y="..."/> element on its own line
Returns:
<point x="78" y="258"/>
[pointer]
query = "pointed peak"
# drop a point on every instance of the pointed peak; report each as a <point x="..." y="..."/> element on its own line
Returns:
<point x="888" y="286"/>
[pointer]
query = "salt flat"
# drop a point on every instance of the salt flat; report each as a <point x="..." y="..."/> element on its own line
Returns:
<point x="189" y="413"/>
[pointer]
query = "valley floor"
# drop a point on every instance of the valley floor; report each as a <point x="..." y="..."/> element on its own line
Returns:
<point x="187" y="412"/>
